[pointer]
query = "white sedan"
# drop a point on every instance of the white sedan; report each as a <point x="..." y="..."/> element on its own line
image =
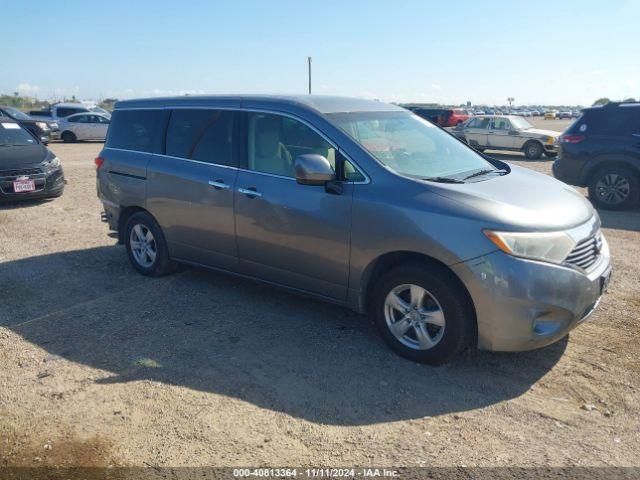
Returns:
<point x="84" y="126"/>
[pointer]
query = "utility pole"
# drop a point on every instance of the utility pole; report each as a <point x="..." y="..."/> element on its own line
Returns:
<point x="309" y="64"/>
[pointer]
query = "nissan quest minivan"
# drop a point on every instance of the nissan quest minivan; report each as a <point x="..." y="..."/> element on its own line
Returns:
<point x="359" y="203"/>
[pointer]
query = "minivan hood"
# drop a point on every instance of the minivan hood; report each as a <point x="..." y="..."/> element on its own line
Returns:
<point x="522" y="200"/>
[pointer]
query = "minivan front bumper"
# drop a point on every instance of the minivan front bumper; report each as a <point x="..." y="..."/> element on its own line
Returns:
<point x="523" y="304"/>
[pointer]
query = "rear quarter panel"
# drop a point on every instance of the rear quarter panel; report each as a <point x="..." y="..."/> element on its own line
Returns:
<point x="122" y="178"/>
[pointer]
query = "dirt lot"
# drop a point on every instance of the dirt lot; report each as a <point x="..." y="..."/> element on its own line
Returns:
<point x="101" y="366"/>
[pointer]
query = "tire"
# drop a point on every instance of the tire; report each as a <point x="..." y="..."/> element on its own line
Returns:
<point x="551" y="154"/>
<point x="614" y="187"/>
<point x="532" y="150"/>
<point x="444" y="300"/>
<point x="154" y="251"/>
<point x="68" y="137"/>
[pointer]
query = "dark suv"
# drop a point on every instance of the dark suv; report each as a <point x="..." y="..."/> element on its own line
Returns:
<point x="601" y="151"/>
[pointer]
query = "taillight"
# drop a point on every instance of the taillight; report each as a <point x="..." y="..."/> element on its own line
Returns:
<point x="571" y="138"/>
<point x="98" y="161"/>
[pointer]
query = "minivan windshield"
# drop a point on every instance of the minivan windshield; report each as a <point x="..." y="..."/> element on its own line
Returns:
<point x="410" y="145"/>
<point x="12" y="134"/>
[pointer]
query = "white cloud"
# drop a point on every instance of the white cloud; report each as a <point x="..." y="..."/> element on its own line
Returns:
<point x="158" y="92"/>
<point x="368" y="95"/>
<point x="27" y="90"/>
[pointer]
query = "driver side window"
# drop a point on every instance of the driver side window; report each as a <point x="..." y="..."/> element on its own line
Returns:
<point x="501" y="124"/>
<point x="275" y="141"/>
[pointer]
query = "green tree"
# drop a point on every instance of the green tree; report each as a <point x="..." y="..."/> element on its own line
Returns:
<point x="601" y="101"/>
<point x="629" y="100"/>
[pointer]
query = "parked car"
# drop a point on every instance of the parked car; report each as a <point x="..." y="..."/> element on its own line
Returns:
<point x="566" y="114"/>
<point x="479" y="112"/>
<point x="360" y="203"/>
<point x="58" y="111"/>
<point x="550" y="115"/>
<point x="84" y="126"/>
<point x="100" y="110"/>
<point x="601" y="151"/>
<point x="45" y="131"/>
<point x="27" y="168"/>
<point x="508" y="132"/>
<point x="535" y="113"/>
<point x="444" y="117"/>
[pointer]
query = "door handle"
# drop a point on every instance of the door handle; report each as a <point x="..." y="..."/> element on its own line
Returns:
<point x="218" y="184"/>
<point x="250" y="192"/>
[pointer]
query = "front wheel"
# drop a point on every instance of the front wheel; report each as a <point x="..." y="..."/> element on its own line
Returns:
<point x="533" y="150"/>
<point x="614" y="188"/>
<point x="69" y="137"/>
<point x="146" y="246"/>
<point x="423" y="313"/>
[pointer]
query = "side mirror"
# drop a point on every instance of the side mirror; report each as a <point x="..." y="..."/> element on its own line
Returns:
<point x="513" y="131"/>
<point x="313" y="169"/>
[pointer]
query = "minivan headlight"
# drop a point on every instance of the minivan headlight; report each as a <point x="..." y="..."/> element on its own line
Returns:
<point x="551" y="247"/>
<point x="52" y="165"/>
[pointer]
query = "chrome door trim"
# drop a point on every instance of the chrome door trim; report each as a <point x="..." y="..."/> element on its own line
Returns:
<point x="258" y="110"/>
<point x="221" y="185"/>
<point x="251" y="193"/>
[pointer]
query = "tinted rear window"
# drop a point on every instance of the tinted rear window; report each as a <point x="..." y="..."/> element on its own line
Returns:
<point x="198" y="134"/>
<point x="134" y="129"/>
<point x="63" y="112"/>
<point x="620" y="121"/>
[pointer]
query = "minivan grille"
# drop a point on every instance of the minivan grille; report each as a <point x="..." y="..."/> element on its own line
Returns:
<point x="586" y="252"/>
<point x="19" y="172"/>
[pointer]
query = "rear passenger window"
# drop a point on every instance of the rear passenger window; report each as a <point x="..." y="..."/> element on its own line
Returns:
<point x="134" y="129"/>
<point x="203" y="135"/>
<point x="63" y="112"/>
<point x="612" y="121"/>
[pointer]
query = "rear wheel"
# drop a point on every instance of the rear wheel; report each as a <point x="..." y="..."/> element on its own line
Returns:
<point x="69" y="137"/>
<point x="614" y="188"/>
<point x="532" y="150"/>
<point x="146" y="246"/>
<point x="423" y="313"/>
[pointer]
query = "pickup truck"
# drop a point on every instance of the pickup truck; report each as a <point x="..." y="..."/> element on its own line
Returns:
<point x="58" y="111"/>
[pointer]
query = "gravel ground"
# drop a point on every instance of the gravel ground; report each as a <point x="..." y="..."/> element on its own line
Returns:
<point x="101" y="366"/>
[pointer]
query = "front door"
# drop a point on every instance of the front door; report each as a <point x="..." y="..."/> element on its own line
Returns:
<point x="80" y="126"/>
<point x="190" y="188"/>
<point x="287" y="233"/>
<point x="500" y="135"/>
<point x="475" y="132"/>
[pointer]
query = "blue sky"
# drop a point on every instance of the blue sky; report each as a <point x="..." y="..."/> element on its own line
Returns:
<point x="549" y="52"/>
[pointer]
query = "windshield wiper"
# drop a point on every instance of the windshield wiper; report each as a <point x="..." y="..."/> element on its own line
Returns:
<point x="443" y="180"/>
<point x="484" y="172"/>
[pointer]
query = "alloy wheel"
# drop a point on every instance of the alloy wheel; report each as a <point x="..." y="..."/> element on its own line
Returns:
<point x="414" y="317"/>
<point x="143" y="245"/>
<point x="613" y="188"/>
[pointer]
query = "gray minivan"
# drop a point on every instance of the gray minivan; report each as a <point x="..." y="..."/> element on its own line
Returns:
<point x="360" y="203"/>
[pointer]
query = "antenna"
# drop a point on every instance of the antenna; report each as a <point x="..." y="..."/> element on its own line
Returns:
<point x="309" y="64"/>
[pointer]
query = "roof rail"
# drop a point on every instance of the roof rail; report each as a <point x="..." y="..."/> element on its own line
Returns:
<point x="617" y="104"/>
